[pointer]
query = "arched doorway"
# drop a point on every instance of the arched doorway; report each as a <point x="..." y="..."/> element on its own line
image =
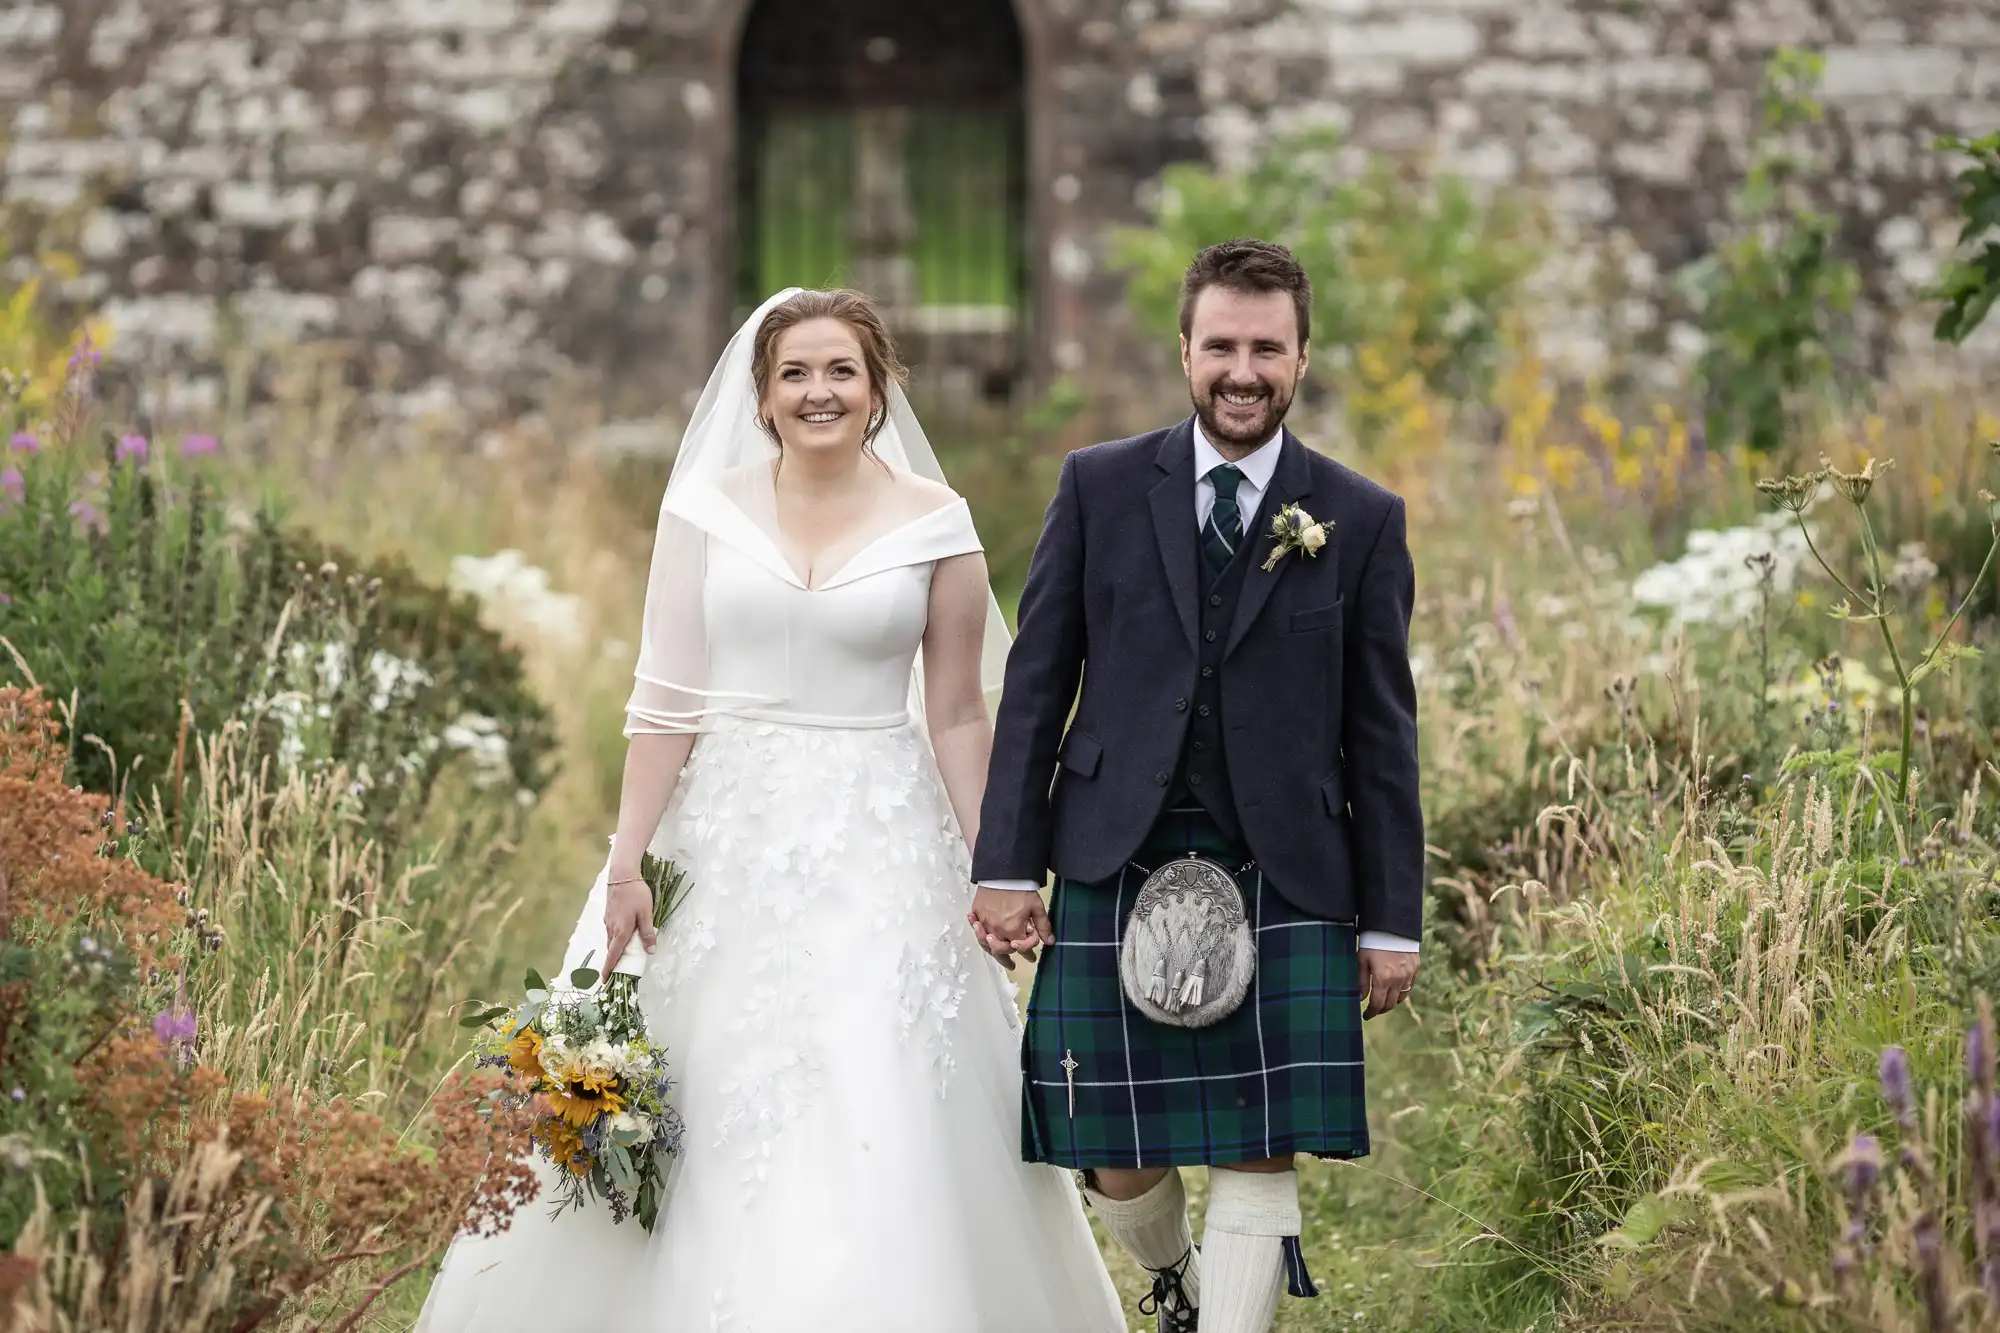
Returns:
<point x="882" y="145"/>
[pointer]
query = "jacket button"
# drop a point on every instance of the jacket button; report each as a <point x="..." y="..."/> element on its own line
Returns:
<point x="1180" y="705"/>
<point x="1208" y="636"/>
<point x="1204" y="710"/>
<point x="1199" y="746"/>
<point x="1194" y="779"/>
<point x="1207" y="672"/>
<point x="1159" y="779"/>
<point x="1215" y="599"/>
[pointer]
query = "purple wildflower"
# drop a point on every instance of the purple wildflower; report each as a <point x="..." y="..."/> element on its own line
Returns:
<point x="200" y="446"/>
<point x="84" y="512"/>
<point x="175" y="1027"/>
<point x="86" y="354"/>
<point x="6" y="599"/>
<point x="19" y="1095"/>
<point x="1864" y="1168"/>
<point x="24" y="442"/>
<point x="13" y="485"/>
<point x="132" y="446"/>
<point x="1896" y="1087"/>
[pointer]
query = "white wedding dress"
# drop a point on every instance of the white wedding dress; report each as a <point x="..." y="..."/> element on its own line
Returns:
<point x="849" y="1059"/>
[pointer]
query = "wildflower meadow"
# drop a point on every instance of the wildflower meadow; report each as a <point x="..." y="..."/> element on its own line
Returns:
<point x="308" y="738"/>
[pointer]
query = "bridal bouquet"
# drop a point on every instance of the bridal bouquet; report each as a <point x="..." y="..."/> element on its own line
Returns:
<point x="579" y="1056"/>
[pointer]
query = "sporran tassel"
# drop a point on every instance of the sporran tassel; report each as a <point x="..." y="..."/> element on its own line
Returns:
<point x="1156" y="989"/>
<point x="1297" y="1280"/>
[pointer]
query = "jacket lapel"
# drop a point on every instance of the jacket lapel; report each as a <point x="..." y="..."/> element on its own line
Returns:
<point x="1291" y="483"/>
<point x="1173" y="519"/>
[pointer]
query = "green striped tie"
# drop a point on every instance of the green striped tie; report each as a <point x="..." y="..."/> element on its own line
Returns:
<point x="1224" y="529"/>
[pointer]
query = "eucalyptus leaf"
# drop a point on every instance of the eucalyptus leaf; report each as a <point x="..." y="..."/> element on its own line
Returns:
<point x="583" y="978"/>
<point x="534" y="982"/>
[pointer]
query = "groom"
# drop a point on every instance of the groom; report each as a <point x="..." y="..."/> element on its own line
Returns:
<point x="1258" y="712"/>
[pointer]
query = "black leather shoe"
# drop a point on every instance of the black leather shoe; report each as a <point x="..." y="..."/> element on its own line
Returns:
<point x="1169" y="1299"/>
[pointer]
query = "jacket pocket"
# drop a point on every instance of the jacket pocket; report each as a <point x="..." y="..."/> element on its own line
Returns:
<point x="1318" y="617"/>
<point x="1334" y="792"/>
<point x="1080" y="753"/>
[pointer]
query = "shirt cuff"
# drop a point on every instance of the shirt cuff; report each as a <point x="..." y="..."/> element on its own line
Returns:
<point x="1376" y="939"/>
<point x="1012" y="885"/>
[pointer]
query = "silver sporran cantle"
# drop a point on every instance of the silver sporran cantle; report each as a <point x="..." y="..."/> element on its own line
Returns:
<point x="1189" y="954"/>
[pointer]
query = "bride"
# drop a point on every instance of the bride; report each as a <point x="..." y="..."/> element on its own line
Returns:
<point x="848" y="1057"/>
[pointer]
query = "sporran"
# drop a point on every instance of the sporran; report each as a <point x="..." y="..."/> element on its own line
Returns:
<point x="1189" y="953"/>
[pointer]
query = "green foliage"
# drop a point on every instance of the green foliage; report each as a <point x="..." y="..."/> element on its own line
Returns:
<point x="166" y="618"/>
<point x="1774" y="301"/>
<point x="1872" y="601"/>
<point x="1008" y="477"/>
<point x="1424" y="273"/>
<point x="62" y="994"/>
<point x="1971" y="283"/>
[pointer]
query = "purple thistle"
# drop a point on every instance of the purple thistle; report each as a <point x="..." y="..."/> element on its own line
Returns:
<point x="18" y="1095"/>
<point x="175" y="1027"/>
<point x="24" y="442"/>
<point x="132" y="446"/>
<point x="13" y="485"/>
<point x="1896" y="1087"/>
<point x="200" y="446"/>
<point x="84" y="512"/>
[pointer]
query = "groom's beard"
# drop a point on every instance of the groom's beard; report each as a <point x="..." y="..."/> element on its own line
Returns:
<point x="1208" y="411"/>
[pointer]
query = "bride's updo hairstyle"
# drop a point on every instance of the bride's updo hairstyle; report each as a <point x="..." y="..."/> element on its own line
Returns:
<point x="878" y="348"/>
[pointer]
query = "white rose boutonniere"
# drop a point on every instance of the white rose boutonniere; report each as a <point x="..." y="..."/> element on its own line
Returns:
<point x="1293" y="529"/>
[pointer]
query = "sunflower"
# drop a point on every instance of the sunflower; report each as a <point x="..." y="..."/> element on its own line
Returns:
<point x="524" y="1053"/>
<point x="564" y="1144"/>
<point x="581" y="1092"/>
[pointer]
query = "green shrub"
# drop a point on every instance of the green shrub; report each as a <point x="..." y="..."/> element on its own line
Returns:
<point x="134" y="590"/>
<point x="1423" y="274"/>
<point x="1775" y="300"/>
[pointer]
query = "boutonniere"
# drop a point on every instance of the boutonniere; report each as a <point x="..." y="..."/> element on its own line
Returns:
<point x="1293" y="529"/>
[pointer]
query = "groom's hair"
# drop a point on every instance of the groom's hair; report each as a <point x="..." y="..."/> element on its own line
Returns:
<point x="1251" y="267"/>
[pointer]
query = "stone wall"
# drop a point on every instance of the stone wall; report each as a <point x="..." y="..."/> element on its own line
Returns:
<point x="484" y="199"/>
<point x="1632" y="120"/>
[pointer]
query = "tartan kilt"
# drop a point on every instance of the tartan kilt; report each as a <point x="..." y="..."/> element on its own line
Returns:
<point x="1280" y="1075"/>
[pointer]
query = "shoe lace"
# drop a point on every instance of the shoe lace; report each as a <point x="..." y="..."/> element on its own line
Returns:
<point x="1169" y="1299"/>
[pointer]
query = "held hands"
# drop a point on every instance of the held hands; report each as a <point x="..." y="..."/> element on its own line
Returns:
<point x="628" y="911"/>
<point x="1386" y="978"/>
<point x="1010" y="921"/>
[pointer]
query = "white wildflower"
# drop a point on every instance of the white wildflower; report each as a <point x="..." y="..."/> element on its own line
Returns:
<point x="482" y="740"/>
<point x="514" y="591"/>
<point x="1914" y="569"/>
<point x="1715" y="581"/>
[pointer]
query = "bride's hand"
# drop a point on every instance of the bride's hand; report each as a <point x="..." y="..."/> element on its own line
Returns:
<point x="628" y="911"/>
<point x="1009" y="922"/>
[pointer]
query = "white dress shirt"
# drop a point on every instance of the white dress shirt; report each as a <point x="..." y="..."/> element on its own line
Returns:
<point x="1257" y="467"/>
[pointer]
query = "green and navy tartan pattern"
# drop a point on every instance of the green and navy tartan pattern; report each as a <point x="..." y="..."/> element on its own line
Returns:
<point x="1102" y="1086"/>
<point x="1223" y="531"/>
